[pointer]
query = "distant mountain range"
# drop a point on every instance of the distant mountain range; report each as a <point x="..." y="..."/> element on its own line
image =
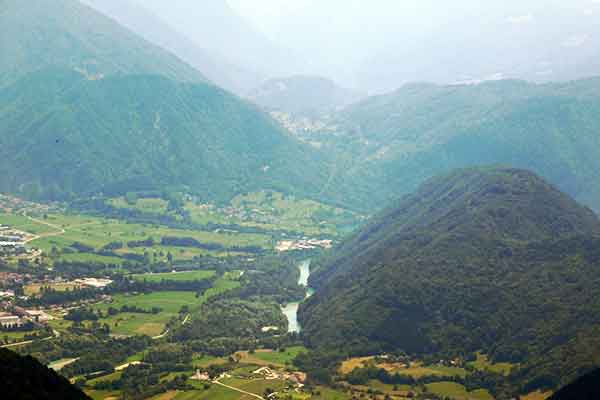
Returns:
<point x="537" y="41"/>
<point x="490" y="259"/>
<point x="140" y="20"/>
<point x="303" y="95"/>
<point x="242" y="54"/>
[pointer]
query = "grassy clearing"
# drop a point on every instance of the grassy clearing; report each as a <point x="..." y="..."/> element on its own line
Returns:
<point x="91" y="258"/>
<point x="483" y="363"/>
<point x="97" y="232"/>
<point x="537" y="396"/>
<point x="457" y="391"/>
<point x="418" y="370"/>
<point x="277" y="357"/>
<point x="353" y="363"/>
<point x="188" y="276"/>
<point x="205" y="361"/>
<point x="147" y="324"/>
<point x="35" y="288"/>
<point x="103" y="395"/>
<point x="169" y="302"/>
<point x="147" y="205"/>
<point x="25" y="224"/>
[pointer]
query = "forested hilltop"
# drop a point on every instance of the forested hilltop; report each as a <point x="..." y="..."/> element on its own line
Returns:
<point x="493" y="260"/>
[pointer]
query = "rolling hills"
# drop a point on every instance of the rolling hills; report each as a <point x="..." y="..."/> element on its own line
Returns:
<point x="490" y="259"/>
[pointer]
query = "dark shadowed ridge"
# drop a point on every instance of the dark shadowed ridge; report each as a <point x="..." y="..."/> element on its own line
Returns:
<point x="25" y="378"/>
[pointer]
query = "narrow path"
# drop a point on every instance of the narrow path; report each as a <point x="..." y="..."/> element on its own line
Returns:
<point x="162" y="335"/>
<point x="61" y="231"/>
<point x="216" y="381"/>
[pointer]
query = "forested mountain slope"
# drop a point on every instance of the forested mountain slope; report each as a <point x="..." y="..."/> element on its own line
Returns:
<point x="136" y="17"/>
<point x="491" y="259"/>
<point x="63" y="136"/>
<point x="393" y="143"/>
<point x="40" y="34"/>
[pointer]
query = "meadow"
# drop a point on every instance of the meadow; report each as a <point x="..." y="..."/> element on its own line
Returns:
<point x="187" y="276"/>
<point x="59" y="232"/>
<point x="170" y="302"/>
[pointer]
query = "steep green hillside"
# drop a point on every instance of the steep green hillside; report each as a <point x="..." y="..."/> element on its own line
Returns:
<point x="393" y="143"/>
<point x="24" y="378"/>
<point x="494" y="260"/>
<point x="63" y="135"/>
<point x="39" y="34"/>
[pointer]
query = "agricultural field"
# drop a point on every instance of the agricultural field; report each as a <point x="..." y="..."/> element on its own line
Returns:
<point x="457" y="391"/>
<point x="35" y="288"/>
<point x="187" y="276"/>
<point x="25" y="224"/>
<point x="415" y="369"/>
<point x="147" y="205"/>
<point x="170" y="303"/>
<point x="273" y="357"/>
<point x="58" y="232"/>
<point x="147" y="324"/>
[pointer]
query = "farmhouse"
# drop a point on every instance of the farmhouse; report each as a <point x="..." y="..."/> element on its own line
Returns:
<point x="94" y="282"/>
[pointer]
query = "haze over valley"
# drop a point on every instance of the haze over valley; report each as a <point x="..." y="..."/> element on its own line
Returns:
<point x="305" y="200"/>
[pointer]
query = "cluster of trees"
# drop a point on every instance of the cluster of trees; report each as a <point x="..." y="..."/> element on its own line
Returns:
<point x="144" y="381"/>
<point x="191" y="242"/>
<point x="124" y="284"/>
<point x="232" y="318"/>
<point x="149" y="242"/>
<point x="49" y="296"/>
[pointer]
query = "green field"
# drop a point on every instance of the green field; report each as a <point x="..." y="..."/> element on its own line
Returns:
<point x="483" y="363"/>
<point x="457" y="391"/>
<point x="91" y="258"/>
<point x="169" y="302"/>
<point x="188" y="276"/>
<point x="278" y="357"/>
<point x="147" y="324"/>
<point x="25" y="224"/>
<point x="148" y="205"/>
<point x="97" y="232"/>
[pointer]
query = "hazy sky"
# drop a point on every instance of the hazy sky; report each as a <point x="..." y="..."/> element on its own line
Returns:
<point x="341" y="35"/>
